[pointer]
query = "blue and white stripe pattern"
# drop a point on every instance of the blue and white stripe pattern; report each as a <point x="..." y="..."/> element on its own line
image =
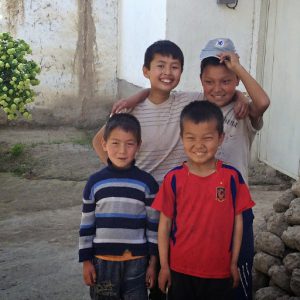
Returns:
<point x="117" y="214"/>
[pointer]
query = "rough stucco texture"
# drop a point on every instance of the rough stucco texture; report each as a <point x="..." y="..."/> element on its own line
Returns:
<point x="75" y="43"/>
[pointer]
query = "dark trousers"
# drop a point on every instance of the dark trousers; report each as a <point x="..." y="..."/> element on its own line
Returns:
<point x="186" y="287"/>
<point x="245" y="262"/>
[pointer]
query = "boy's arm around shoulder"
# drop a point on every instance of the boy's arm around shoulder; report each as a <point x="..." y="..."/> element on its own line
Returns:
<point x="97" y="145"/>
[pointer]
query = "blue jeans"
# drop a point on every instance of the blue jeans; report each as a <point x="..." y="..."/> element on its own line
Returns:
<point x="120" y="280"/>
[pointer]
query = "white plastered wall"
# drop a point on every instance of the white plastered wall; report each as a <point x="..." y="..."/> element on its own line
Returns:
<point x="140" y="24"/>
<point x="189" y="24"/>
<point x="75" y="43"/>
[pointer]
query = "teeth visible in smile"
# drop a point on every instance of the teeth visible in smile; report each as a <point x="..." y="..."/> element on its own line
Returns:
<point x="166" y="80"/>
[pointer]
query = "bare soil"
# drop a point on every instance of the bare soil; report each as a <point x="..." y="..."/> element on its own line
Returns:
<point x="40" y="203"/>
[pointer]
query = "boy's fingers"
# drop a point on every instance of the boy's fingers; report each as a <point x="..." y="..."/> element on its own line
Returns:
<point x="236" y="280"/>
<point x="118" y="106"/>
<point x="235" y="283"/>
<point x="162" y="287"/>
<point x="150" y="283"/>
<point x="87" y="280"/>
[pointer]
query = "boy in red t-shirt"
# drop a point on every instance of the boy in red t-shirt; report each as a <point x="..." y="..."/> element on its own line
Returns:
<point x="201" y="204"/>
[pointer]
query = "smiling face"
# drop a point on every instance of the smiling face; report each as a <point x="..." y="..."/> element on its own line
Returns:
<point x="201" y="141"/>
<point x="219" y="84"/>
<point x="121" y="147"/>
<point x="164" y="75"/>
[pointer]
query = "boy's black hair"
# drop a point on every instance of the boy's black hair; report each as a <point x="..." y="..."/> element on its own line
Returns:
<point x="165" y="48"/>
<point x="127" y="122"/>
<point x="210" y="61"/>
<point x="202" y="111"/>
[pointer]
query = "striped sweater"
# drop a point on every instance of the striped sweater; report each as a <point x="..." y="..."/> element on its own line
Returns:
<point x="117" y="214"/>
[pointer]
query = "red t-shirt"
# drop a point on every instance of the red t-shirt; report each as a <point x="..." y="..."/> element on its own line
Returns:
<point x="202" y="211"/>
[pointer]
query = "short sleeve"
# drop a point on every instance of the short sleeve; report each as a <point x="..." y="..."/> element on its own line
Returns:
<point x="165" y="198"/>
<point x="244" y="200"/>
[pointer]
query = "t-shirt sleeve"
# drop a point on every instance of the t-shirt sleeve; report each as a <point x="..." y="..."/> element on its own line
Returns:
<point x="243" y="200"/>
<point x="165" y="198"/>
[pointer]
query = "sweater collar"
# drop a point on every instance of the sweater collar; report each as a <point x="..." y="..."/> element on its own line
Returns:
<point x="111" y="167"/>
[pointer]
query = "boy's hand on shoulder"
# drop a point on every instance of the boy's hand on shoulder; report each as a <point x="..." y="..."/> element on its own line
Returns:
<point x="235" y="274"/>
<point x="89" y="273"/>
<point x="164" y="279"/>
<point x="241" y="105"/>
<point x="130" y="102"/>
<point x="120" y="106"/>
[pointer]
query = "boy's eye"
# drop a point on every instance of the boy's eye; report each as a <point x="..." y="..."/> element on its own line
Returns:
<point x="226" y="81"/>
<point x="189" y="138"/>
<point x="175" y="67"/>
<point x="131" y="144"/>
<point x="208" y="82"/>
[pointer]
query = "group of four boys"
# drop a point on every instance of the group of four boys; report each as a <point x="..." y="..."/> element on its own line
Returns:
<point x="198" y="153"/>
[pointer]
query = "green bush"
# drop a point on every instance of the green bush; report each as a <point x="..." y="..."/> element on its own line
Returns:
<point x="16" y="150"/>
<point x="17" y="75"/>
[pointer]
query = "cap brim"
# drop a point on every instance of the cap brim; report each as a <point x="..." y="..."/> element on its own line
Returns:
<point x="211" y="53"/>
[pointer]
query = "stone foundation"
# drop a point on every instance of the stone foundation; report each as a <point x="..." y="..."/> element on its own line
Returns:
<point x="276" y="268"/>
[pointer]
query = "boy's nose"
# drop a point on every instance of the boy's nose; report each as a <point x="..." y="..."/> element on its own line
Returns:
<point x="122" y="148"/>
<point x="198" y="144"/>
<point x="217" y="87"/>
<point x="166" y="70"/>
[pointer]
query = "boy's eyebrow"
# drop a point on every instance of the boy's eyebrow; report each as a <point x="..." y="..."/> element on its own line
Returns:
<point x="173" y="62"/>
<point x="187" y="133"/>
<point x="129" y="140"/>
<point x="212" y="77"/>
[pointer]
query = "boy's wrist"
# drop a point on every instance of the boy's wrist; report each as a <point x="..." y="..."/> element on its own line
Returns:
<point x="165" y="266"/>
<point x="238" y="69"/>
<point x="153" y="261"/>
<point x="233" y="264"/>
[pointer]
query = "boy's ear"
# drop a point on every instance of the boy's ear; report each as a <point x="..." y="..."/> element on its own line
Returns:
<point x="221" y="138"/>
<point x="200" y="77"/>
<point x="146" y="72"/>
<point x="139" y="145"/>
<point x="103" y="143"/>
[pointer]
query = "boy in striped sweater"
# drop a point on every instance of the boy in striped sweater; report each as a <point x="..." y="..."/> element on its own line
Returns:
<point x="118" y="230"/>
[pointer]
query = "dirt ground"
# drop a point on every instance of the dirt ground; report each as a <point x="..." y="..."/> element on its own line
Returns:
<point x="40" y="203"/>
